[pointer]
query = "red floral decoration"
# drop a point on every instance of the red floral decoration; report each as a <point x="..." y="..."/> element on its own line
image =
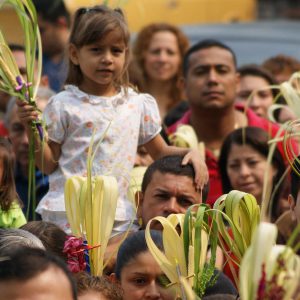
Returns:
<point x="74" y="248"/>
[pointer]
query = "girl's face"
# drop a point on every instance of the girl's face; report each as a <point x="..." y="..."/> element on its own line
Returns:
<point x="139" y="279"/>
<point x="261" y="100"/>
<point x="246" y="168"/>
<point x="101" y="63"/>
<point x="162" y="58"/>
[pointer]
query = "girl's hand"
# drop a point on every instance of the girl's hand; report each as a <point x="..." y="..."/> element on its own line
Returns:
<point x="201" y="171"/>
<point x="26" y="112"/>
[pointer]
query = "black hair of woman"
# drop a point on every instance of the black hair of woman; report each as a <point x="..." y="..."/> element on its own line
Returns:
<point x="133" y="245"/>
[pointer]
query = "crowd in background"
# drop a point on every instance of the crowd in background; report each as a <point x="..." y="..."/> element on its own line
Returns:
<point x="200" y="85"/>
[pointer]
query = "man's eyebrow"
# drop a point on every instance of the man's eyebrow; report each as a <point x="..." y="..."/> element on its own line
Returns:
<point x="162" y="190"/>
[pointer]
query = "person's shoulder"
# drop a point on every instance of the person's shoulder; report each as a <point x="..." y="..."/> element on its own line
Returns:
<point x="141" y="98"/>
<point x="135" y="93"/>
<point x="68" y="94"/>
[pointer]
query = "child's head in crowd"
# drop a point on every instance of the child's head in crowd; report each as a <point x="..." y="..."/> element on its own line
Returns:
<point x="96" y="288"/>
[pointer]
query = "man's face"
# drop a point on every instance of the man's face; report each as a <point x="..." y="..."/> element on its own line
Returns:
<point x="211" y="79"/>
<point x="18" y="138"/>
<point x="48" y="285"/>
<point x="167" y="194"/>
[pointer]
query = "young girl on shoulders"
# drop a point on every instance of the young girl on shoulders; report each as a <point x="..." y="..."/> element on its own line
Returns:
<point x="98" y="96"/>
<point x="11" y="215"/>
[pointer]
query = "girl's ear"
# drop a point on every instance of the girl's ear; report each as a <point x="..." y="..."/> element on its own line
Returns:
<point x="73" y="54"/>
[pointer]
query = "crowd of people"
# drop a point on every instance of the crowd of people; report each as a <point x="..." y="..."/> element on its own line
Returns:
<point x="131" y="96"/>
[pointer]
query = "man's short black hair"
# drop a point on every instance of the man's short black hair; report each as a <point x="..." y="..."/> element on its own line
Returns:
<point x="295" y="178"/>
<point x="205" y="44"/>
<point x="51" y="10"/>
<point x="170" y="165"/>
<point x="25" y="263"/>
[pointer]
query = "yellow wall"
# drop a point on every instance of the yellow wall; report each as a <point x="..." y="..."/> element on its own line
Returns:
<point x="142" y="12"/>
<point x="10" y="26"/>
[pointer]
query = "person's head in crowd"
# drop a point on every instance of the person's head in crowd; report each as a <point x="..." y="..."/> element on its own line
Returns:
<point x="168" y="188"/>
<point x="95" y="26"/>
<point x="51" y="235"/>
<point x="20" y="145"/>
<point x="255" y="81"/>
<point x="19" y="140"/>
<point x="210" y="75"/>
<point x="54" y="23"/>
<point x="158" y="53"/>
<point x="95" y="288"/>
<point x="137" y="271"/>
<point x="8" y="193"/>
<point x="29" y="273"/>
<point x="282" y="66"/>
<point x="243" y="163"/>
<point x="294" y="197"/>
<point x="13" y="239"/>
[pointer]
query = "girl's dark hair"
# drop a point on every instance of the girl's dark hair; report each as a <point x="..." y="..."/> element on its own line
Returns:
<point x="8" y="193"/>
<point x="133" y="246"/>
<point x="142" y="43"/>
<point x="91" y="25"/>
<point x="258" y="139"/>
<point x="51" y="235"/>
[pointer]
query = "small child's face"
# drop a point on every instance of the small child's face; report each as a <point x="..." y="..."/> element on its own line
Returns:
<point x="101" y="63"/>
